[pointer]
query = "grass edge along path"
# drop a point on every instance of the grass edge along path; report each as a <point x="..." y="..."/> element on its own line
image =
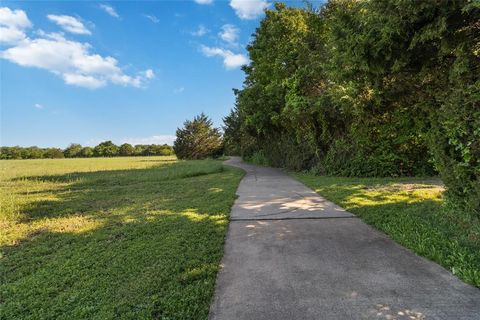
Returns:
<point x="411" y="211"/>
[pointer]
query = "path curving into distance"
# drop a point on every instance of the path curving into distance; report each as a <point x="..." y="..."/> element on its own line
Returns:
<point x="291" y="254"/>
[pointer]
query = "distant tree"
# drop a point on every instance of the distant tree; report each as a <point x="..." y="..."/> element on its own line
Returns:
<point x="86" y="152"/>
<point x="198" y="139"/>
<point x="106" y="149"/>
<point x="25" y="153"/>
<point x="72" y="151"/>
<point x="34" y="152"/>
<point x="139" y="149"/>
<point x="166" y="150"/>
<point x="151" y="150"/>
<point x="12" y="152"/>
<point x="54" y="153"/>
<point x="126" y="149"/>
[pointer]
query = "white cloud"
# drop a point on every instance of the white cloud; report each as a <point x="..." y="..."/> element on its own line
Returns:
<point x="69" y="24"/>
<point x="160" y="139"/>
<point x="80" y="80"/>
<point x="110" y="10"/>
<point x="204" y="1"/>
<point x="149" y="74"/>
<point x="230" y="60"/>
<point x="72" y="61"/>
<point x="249" y="9"/>
<point x="229" y="34"/>
<point x="16" y="18"/>
<point x="38" y="106"/>
<point x="11" y="35"/>
<point x="13" y="25"/>
<point x="201" y="31"/>
<point x="152" y="18"/>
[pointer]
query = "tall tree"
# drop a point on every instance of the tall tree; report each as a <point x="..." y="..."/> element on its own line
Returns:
<point x="198" y="139"/>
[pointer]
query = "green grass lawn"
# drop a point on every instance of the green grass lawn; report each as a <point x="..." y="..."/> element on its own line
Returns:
<point x="118" y="238"/>
<point x="411" y="211"/>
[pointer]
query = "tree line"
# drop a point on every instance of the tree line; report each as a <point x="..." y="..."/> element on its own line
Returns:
<point x="365" y="88"/>
<point x="103" y="149"/>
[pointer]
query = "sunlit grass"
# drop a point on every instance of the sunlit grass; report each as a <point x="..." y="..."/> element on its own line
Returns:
<point x="119" y="238"/>
<point x="412" y="212"/>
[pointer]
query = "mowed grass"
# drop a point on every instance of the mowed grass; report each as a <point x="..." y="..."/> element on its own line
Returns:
<point x="119" y="238"/>
<point x="411" y="211"/>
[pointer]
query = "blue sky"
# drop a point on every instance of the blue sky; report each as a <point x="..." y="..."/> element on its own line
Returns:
<point x="86" y="71"/>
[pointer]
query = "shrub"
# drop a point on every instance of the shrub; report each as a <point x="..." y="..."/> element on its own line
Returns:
<point x="456" y="147"/>
<point x="258" y="157"/>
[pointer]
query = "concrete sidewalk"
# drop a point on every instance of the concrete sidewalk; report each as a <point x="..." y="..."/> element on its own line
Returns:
<point x="290" y="254"/>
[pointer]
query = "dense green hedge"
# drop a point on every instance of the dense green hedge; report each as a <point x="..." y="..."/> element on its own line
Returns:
<point x="366" y="88"/>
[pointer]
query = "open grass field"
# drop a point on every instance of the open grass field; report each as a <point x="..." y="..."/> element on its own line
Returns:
<point x="112" y="238"/>
<point x="411" y="211"/>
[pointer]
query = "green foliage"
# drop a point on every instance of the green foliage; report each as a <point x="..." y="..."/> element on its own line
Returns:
<point x="258" y="158"/>
<point x="72" y="150"/>
<point x="105" y="149"/>
<point x="126" y="149"/>
<point x="410" y="211"/>
<point x="33" y="153"/>
<point x="232" y="133"/>
<point x="23" y="153"/>
<point x="139" y="149"/>
<point x="112" y="238"/>
<point x="10" y="153"/>
<point x="157" y="150"/>
<point x="54" y="153"/>
<point x="86" y="152"/>
<point x="198" y="139"/>
<point x="456" y="146"/>
<point x="366" y="88"/>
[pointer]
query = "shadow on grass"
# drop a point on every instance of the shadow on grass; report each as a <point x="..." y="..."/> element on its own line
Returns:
<point x="123" y="244"/>
<point x="97" y="193"/>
